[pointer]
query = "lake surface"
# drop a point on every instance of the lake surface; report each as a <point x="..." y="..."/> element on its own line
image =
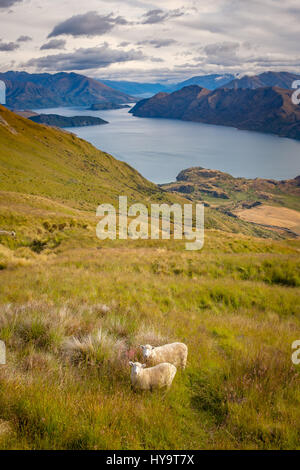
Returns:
<point x="160" y="148"/>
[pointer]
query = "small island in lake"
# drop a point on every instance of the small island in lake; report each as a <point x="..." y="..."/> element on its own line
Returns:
<point x="107" y="106"/>
<point x="56" y="120"/>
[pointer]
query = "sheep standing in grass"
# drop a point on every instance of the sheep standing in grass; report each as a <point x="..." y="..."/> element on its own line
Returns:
<point x="156" y="377"/>
<point x="6" y="232"/>
<point x="175" y="353"/>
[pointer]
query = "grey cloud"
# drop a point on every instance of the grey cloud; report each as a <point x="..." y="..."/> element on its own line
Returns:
<point x="159" y="16"/>
<point x="161" y="74"/>
<point x="89" y="24"/>
<point x="221" y="48"/>
<point x="157" y="43"/>
<point x="8" y="46"/>
<point x="294" y="12"/>
<point x="24" y="39"/>
<point x="54" y="44"/>
<point x="222" y="53"/>
<point x="156" y="59"/>
<point x="274" y="61"/>
<point x="231" y="54"/>
<point x="8" y="3"/>
<point x="84" y="59"/>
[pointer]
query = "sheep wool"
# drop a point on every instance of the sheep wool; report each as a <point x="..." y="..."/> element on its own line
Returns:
<point x="152" y="378"/>
<point x="175" y="353"/>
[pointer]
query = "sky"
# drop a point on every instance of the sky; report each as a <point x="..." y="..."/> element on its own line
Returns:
<point x="150" y="40"/>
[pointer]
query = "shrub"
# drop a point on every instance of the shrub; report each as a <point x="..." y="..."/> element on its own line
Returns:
<point x="38" y="245"/>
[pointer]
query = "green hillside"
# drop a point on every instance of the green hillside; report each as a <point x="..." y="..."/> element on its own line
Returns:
<point x="40" y="160"/>
<point x="235" y="304"/>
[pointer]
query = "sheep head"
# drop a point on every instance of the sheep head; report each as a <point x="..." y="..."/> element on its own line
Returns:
<point x="147" y="350"/>
<point x="136" y="367"/>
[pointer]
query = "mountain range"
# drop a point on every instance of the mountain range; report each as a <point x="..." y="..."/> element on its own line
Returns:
<point x="24" y="90"/>
<point x="141" y="90"/>
<point x="268" y="110"/>
<point x="211" y="82"/>
<point x="44" y="90"/>
<point x="146" y="90"/>
<point x="265" y="79"/>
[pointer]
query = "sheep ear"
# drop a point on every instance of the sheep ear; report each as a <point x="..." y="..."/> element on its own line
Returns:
<point x="144" y="366"/>
<point x="141" y="346"/>
<point x="130" y="363"/>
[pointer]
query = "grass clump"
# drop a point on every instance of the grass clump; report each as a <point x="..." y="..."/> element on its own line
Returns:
<point x="95" y="349"/>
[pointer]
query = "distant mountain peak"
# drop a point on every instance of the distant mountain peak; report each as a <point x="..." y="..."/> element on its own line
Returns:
<point x="145" y="90"/>
<point x="265" y="79"/>
<point x="46" y="90"/>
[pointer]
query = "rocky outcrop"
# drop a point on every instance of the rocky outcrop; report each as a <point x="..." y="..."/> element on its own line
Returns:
<point x="200" y="183"/>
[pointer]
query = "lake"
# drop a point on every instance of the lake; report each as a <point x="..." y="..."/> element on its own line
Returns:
<point x="160" y="148"/>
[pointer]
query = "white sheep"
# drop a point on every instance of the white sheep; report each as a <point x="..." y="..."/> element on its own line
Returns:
<point x="175" y="353"/>
<point x="152" y="378"/>
<point x="6" y="232"/>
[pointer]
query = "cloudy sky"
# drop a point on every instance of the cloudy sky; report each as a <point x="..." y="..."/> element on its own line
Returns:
<point x="150" y="40"/>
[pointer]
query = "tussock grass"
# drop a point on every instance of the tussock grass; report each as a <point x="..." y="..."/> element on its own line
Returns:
<point x="150" y="335"/>
<point x="67" y="386"/>
<point x="72" y="327"/>
<point x="95" y="349"/>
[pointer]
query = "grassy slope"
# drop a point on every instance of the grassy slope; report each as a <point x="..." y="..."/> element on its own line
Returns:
<point x="236" y="305"/>
<point x="42" y="161"/>
<point x="39" y="160"/>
